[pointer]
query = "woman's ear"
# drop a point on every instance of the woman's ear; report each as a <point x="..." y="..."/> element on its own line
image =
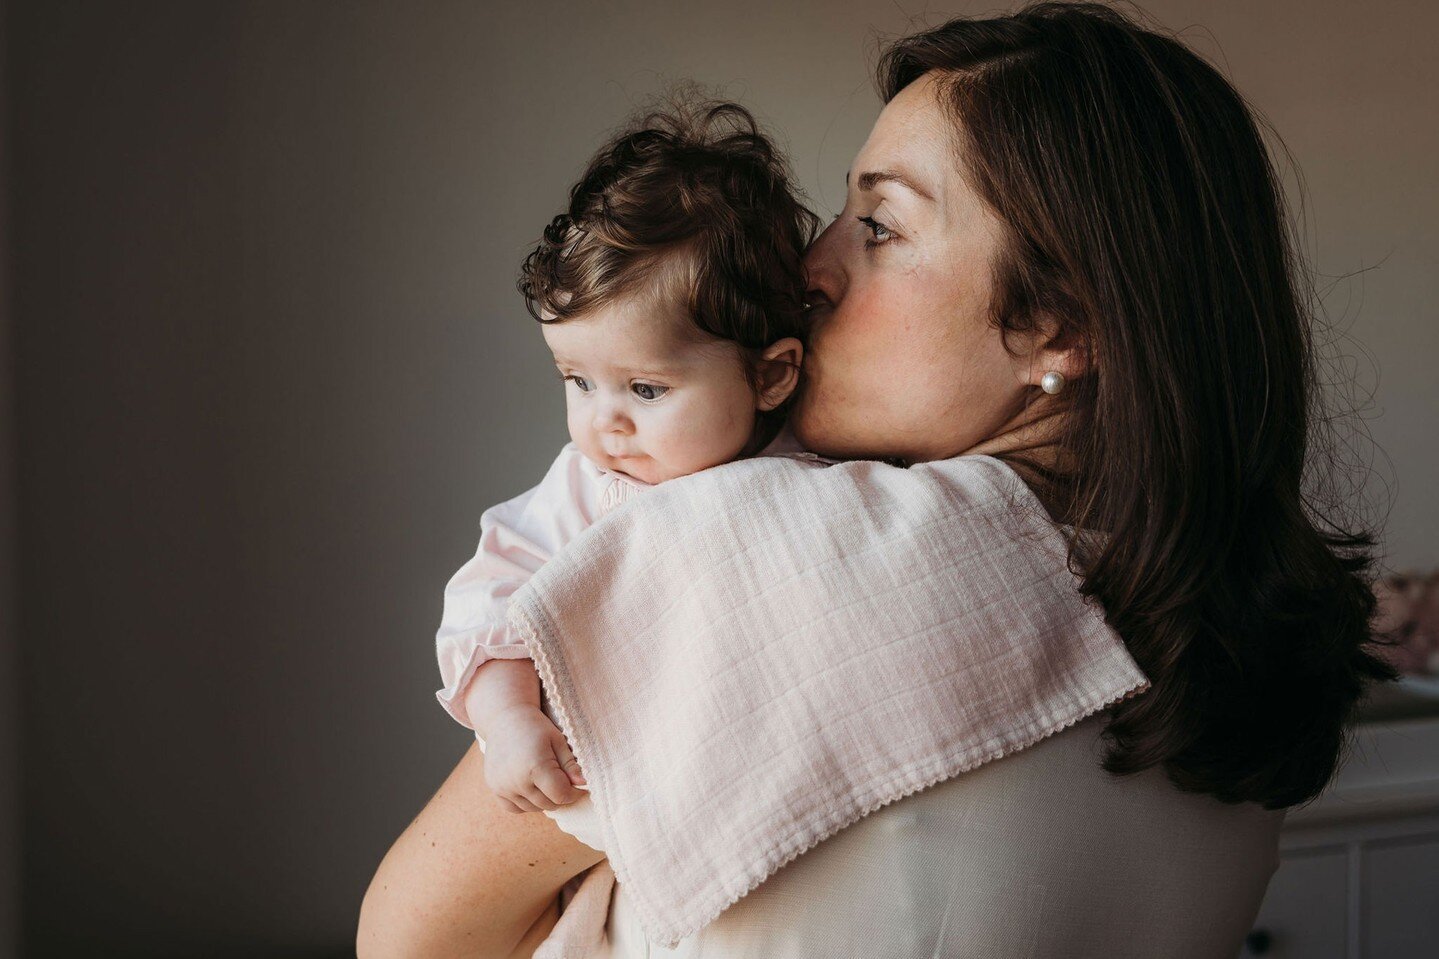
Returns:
<point x="1061" y="349"/>
<point x="778" y="372"/>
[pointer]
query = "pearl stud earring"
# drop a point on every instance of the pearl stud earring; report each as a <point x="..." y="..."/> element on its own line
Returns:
<point x="1052" y="382"/>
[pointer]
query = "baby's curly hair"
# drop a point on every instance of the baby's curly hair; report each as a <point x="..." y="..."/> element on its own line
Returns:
<point x="692" y="205"/>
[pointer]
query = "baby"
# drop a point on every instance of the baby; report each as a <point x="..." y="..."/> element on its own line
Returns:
<point x="671" y="294"/>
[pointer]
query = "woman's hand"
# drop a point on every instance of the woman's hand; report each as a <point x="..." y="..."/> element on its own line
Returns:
<point x="528" y="763"/>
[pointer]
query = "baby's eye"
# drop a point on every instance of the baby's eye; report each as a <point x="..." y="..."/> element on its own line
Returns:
<point x="648" y="391"/>
<point x="580" y="381"/>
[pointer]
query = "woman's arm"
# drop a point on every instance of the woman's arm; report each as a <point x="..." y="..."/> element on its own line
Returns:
<point x="467" y="878"/>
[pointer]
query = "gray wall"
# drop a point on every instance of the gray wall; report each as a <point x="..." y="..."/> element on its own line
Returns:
<point x="270" y="368"/>
<point x="9" y="635"/>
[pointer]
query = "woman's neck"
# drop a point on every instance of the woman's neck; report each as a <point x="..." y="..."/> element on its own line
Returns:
<point x="1031" y="442"/>
<point x="1035" y="430"/>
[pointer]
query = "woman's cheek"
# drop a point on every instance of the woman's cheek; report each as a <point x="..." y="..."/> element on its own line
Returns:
<point x="878" y="328"/>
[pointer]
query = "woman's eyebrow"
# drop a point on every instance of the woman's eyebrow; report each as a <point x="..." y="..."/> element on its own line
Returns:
<point x="871" y="178"/>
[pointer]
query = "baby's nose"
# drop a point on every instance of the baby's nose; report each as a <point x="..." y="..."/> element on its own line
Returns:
<point x="612" y="418"/>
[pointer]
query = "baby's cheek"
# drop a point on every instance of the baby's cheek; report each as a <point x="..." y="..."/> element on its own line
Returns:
<point x="712" y="435"/>
<point x="573" y="422"/>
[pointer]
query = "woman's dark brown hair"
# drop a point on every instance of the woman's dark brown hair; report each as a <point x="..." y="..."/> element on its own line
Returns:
<point x="1145" y="218"/>
<point x="694" y="207"/>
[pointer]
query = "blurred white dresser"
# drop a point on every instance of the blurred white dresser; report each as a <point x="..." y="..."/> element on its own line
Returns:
<point x="1359" y="872"/>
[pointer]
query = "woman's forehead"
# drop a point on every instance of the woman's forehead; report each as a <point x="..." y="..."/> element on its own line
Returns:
<point x="911" y="143"/>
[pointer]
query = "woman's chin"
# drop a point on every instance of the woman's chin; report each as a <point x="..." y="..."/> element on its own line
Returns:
<point x="810" y="435"/>
<point x="832" y="440"/>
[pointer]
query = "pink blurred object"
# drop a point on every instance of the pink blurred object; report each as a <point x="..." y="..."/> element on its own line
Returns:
<point x="1409" y="612"/>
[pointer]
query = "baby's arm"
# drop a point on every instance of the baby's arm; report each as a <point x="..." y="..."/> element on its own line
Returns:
<point x="517" y="537"/>
<point x="500" y="700"/>
<point x="528" y="763"/>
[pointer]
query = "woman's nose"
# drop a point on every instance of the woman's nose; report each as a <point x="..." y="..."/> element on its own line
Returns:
<point x="823" y="277"/>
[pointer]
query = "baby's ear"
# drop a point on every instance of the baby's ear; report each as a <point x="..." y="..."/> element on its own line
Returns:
<point x="779" y="371"/>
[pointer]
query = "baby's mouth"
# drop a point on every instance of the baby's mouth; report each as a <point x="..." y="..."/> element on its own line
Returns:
<point x="615" y="462"/>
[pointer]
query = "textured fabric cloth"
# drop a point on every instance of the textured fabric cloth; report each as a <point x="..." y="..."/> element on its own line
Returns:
<point x="1039" y="855"/>
<point x="762" y="653"/>
<point x="582" y="929"/>
<point x="519" y="536"/>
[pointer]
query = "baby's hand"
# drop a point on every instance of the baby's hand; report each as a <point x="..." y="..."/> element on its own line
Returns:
<point x="528" y="764"/>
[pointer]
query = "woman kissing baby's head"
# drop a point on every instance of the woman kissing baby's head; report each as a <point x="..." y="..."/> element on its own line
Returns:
<point x="671" y="293"/>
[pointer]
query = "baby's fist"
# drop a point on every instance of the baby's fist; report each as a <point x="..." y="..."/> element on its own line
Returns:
<point x="528" y="763"/>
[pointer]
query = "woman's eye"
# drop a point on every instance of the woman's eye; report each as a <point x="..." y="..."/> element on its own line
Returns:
<point x="881" y="233"/>
<point x="648" y="391"/>
<point x="580" y="381"/>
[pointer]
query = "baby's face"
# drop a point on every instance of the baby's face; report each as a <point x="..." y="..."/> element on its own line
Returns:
<point x="644" y="398"/>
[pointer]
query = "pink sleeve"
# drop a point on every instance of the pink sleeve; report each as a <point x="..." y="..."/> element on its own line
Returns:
<point x="516" y="538"/>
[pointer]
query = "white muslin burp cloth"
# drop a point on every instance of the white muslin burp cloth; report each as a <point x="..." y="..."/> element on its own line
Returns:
<point x="748" y="659"/>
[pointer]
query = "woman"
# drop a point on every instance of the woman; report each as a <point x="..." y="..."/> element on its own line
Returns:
<point x="1057" y="191"/>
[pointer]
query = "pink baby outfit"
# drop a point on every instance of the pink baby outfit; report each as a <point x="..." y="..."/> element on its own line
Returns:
<point x="517" y="537"/>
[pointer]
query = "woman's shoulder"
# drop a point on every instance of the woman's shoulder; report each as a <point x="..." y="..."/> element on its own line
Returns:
<point x="787" y="445"/>
<point x="974" y="481"/>
<point x="1006" y="853"/>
